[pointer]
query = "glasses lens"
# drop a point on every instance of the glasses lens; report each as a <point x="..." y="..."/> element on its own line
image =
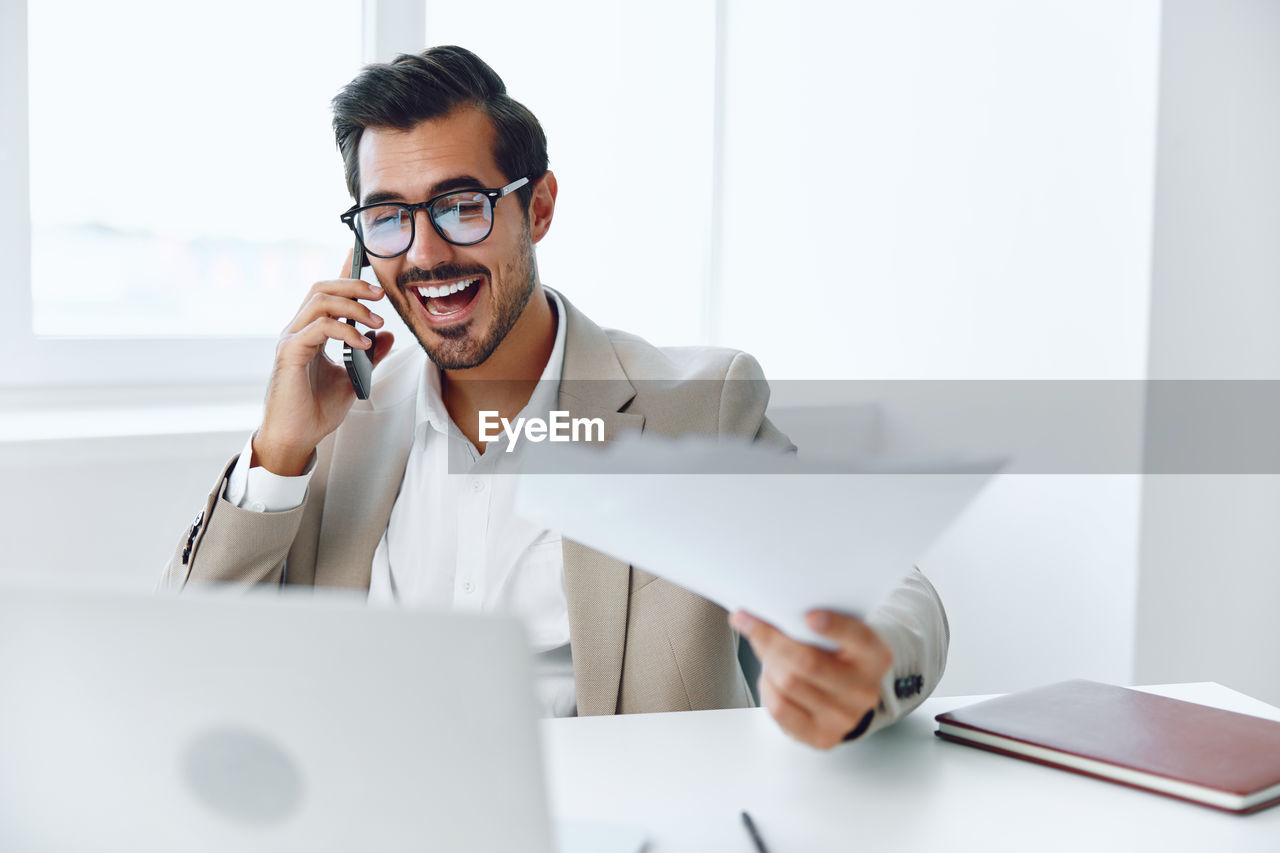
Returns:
<point x="385" y="229"/>
<point x="464" y="217"/>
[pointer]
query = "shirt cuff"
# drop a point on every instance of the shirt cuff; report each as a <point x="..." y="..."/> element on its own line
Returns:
<point x="861" y="729"/>
<point x="258" y="490"/>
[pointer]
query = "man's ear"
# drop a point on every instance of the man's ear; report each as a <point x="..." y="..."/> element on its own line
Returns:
<point x="543" y="206"/>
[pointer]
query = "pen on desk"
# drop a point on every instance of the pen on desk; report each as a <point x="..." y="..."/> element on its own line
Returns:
<point x="754" y="833"/>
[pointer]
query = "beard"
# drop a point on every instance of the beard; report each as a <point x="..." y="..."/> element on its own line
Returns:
<point x="459" y="347"/>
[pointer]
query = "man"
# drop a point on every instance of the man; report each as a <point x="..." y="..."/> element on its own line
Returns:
<point x="395" y="494"/>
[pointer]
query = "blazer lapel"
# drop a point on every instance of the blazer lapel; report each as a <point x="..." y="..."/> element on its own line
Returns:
<point x="597" y="587"/>
<point x="370" y="452"/>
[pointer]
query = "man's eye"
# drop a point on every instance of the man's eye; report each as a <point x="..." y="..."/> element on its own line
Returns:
<point x="389" y="217"/>
<point x="470" y="210"/>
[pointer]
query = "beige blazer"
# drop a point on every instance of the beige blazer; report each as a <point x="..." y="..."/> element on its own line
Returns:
<point x="639" y="642"/>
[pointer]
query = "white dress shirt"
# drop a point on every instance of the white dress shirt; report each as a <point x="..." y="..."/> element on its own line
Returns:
<point x="453" y="540"/>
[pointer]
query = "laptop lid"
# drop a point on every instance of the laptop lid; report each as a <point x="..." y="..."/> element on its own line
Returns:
<point x="265" y="722"/>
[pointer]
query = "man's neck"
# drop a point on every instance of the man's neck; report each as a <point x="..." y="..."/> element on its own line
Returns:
<point x="507" y="379"/>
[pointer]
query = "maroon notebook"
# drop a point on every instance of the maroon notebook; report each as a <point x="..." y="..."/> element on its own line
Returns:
<point x="1191" y="752"/>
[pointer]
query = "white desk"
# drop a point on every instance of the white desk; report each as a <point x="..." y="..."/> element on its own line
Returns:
<point x="686" y="776"/>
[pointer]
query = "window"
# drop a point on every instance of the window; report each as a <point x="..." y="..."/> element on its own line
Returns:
<point x="176" y="182"/>
<point x="184" y="180"/>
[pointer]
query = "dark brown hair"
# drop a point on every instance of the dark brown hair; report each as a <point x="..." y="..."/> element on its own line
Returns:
<point x="417" y="87"/>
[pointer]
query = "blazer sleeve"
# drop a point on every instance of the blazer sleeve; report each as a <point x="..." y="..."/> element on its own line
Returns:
<point x="228" y="544"/>
<point x="744" y="397"/>
<point x="911" y="620"/>
<point x="913" y="623"/>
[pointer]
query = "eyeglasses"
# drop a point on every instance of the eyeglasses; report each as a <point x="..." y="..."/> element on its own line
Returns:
<point x="461" y="217"/>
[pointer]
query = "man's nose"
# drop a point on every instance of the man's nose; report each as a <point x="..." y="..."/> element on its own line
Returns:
<point x="429" y="249"/>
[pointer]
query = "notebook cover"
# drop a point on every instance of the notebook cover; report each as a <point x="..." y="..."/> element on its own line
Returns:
<point x="1235" y="753"/>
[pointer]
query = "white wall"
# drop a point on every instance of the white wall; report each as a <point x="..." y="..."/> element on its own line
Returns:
<point x="1211" y="544"/>
<point x="110" y="508"/>
<point x="970" y="186"/>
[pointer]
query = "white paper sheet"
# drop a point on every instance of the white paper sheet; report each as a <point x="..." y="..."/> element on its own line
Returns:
<point x="778" y="538"/>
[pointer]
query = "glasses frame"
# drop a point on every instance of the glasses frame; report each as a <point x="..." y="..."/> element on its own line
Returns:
<point x="494" y="195"/>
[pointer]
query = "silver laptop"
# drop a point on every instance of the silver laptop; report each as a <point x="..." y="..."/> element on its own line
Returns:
<point x="224" y="721"/>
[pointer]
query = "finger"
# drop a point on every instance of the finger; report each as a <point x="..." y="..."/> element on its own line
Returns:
<point x="312" y="338"/>
<point x="794" y="720"/>
<point x="382" y="346"/>
<point x="858" y="641"/>
<point x="329" y="305"/>
<point x="351" y="288"/>
<point x="763" y="636"/>
<point x="822" y="668"/>
<point x="831" y="717"/>
<point x="821" y="680"/>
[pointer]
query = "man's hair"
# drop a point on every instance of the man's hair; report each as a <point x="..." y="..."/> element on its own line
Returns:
<point x="413" y="88"/>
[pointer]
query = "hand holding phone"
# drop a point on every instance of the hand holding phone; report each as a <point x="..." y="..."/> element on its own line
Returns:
<point x="310" y="394"/>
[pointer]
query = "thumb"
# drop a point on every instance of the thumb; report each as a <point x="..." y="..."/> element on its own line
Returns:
<point x="381" y="346"/>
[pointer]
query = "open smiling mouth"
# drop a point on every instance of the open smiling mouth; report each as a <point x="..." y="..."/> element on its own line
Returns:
<point x="451" y="298"/>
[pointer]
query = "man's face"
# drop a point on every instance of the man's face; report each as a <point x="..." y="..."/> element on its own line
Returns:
<point x="462" y="329"/>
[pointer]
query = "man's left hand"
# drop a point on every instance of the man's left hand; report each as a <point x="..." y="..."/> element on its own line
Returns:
<point x="818" y="696"/>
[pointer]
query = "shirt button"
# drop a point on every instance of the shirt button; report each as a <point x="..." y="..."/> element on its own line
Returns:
<point x="258" y="506"/>
<point x="468" y="587"/>
<point x="477" y="485"/>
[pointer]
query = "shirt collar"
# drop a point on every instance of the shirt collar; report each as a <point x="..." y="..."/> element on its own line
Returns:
<point x="430" y="410"/>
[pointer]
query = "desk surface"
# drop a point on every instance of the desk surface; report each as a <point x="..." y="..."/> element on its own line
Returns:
<point x="686" y="777"/>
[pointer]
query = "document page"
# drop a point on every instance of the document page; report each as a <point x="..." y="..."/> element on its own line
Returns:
<point x="746" y="526"/>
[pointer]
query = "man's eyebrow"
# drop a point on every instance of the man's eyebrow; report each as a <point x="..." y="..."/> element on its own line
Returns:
<point x="461" y="182"/>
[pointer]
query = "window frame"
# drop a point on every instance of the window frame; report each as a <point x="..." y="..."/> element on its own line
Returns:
<point x="37" y="362"/>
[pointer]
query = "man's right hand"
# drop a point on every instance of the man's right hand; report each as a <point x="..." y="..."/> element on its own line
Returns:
<point x="309" y="394"/>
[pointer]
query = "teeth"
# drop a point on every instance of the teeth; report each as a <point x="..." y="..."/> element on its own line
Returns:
<point x="445" y="290"/>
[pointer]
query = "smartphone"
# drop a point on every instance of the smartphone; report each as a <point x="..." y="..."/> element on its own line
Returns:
<point x="359" y="362"/>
